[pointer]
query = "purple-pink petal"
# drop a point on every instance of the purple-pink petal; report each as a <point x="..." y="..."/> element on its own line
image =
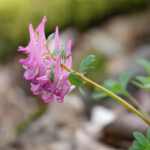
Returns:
<point x="39" y="66"/>
<point x="68" y="62"/>
<point x="30" y="75"/>
<point x="66" y="85"/>
<point x="57" y="43"/>
<point x="60" y="99"/>
<point x="48" y="97"/>
<point x="36" y="89"/>
<point x="40" y="29"/>
<point x="31" y="44"/>
<point x="57" y="72"/>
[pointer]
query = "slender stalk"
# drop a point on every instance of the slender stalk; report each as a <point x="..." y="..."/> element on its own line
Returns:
<point x="137" y="104"/>
<point x="119" y="99"/>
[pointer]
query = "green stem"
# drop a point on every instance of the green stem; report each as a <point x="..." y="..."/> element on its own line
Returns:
<point x="119" y="99"/>
<point x="137" y="104"/>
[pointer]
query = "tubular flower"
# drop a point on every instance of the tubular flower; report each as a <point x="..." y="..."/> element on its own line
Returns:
<point x="43" y="69"/>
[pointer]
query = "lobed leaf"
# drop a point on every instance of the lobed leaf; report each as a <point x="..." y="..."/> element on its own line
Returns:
<point x="140" y="138"/>
<point x="148" y="135"/>
<point x="84" y="64"/>
<point x="141" y="142"/>
<point x="75" y="80"/>
<point x="136" y="144"/>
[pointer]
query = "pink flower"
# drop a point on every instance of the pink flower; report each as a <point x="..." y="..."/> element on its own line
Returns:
<point x="43" y="72"/>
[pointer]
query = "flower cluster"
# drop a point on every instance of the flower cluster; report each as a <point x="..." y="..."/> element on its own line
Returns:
<point x="43" y="69"/>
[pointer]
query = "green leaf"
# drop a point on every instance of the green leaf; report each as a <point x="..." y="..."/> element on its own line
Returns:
<point x="113" y="86"/>
<point x="67" y="57"/>
<point x="147" y="86"/>
<point x="140" y="138"/>
<point x="141" y="142"/>
<point x="142" y="79"/>
<point x="135" y="149"/>
<point x="52" y="74"/>
<point x="55" y="52"/>
<point x="99" y="95"/>
<point x="117" y="87"/>
<point x="62" y="53"/>
<point x="81" y="91"/>
<point x="75" y="80"/>
<point x="37" y="33"/>
<point x="86" y="69"/>
<point x="87" y="61"/>
<point x="136" y="144"/>
<point x="137" y="84"/>
<point x="148" y="134"/>
<point x="145" y="63"/>
<point x="143" y="82"/>
<point x="50" y="37"/>
<point x="124" y="80"/>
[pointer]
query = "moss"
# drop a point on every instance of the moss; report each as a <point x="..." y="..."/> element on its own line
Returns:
<point x="16" y="15"/>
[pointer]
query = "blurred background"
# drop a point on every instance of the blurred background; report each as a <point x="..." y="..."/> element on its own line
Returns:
<point x="115" y="31"/>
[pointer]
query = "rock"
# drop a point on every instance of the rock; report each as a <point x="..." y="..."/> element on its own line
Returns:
<point x="127" y="63"/>
<point x="100" y="117"/>
<point x="117" y="39"/>
<point x="60" y="145"/>
<point x="119" y="133"/>
<point x="85" y="142"/>
<point x="143" y="97"/>
<point x="99" y="40"/>
<point x="15" y="105"/>
<point x="57" y="125"/>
